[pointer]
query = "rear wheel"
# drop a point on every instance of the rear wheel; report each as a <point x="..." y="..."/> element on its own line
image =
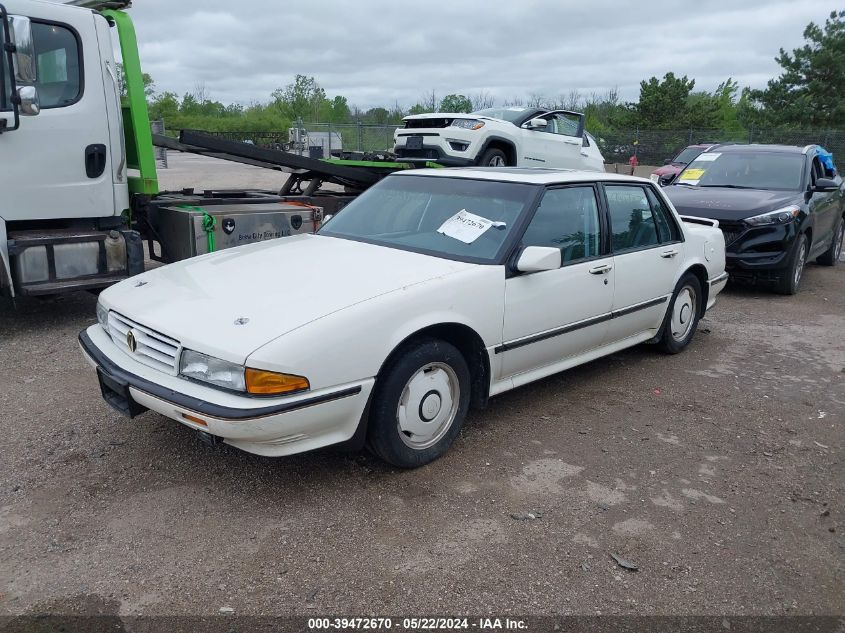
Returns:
<point x="788" y="284"/>
<point x="682" y="317"/>
<point x="493" y="158"/>
<point x="419" y="404"/>
<point x="831" y="255"/>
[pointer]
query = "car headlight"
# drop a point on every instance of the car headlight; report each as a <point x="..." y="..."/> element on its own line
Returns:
<point x="103" y="316"/>
<point x="784" y="215"/>
<point x="468" y="124"/>
<point x="222" y="373"/>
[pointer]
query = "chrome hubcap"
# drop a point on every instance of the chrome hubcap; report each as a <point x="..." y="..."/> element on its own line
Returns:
<point x="428" y="406"/>
<point x="496" y="161"/>
<point x="683" y="313"/>
<point x="799" y="263"/>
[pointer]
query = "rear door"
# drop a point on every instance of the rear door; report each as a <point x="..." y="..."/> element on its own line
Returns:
<point x="556" y="314"/>
<point x="558" y="145"/>
<point x="57" y="165"/>
<point x="647" y="254"/>
<point x="825" y="206"/>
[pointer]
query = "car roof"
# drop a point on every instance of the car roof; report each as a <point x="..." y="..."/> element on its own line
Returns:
<point x="759" y="147"/>
<point x="527" y="175"/>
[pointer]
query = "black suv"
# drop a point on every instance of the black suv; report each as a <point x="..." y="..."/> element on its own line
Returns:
<point x="777" y="205"/>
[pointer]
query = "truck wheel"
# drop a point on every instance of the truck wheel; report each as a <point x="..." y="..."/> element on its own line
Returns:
<point x="493" y="158"/>
<point x="682" y="317"/>
<point x="831" y="255"/>
<point x="419" y="404"/>
<point x="788" y="283"/>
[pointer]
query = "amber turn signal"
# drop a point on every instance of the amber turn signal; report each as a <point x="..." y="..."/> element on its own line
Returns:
<point x="269" y="383"/>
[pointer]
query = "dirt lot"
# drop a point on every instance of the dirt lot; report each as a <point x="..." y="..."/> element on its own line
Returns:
<point x="719" y="472"/>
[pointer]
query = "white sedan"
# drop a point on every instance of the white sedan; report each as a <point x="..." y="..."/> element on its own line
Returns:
<point x="447" y="287"/>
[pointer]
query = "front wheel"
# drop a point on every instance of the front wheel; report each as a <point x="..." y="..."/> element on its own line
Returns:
<point x="788" y="284"/>
<point x="493" y="158"/>
<point x="419" y="404"/>
<point x="682" y="317"/>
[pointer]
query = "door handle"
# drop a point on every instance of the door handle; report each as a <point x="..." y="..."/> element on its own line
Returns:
<point x="600" y="270"/>
<point x="668" y="254"/>
<point x="95" y="160"/>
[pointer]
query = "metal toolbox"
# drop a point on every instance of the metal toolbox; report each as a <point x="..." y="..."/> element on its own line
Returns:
<point x="188" y="227"/>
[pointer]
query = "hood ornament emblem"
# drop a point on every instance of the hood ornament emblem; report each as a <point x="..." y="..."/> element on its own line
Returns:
<point x="131" y="343"/>
<point x="241" y="321"/>
<point x="140" y="283"/>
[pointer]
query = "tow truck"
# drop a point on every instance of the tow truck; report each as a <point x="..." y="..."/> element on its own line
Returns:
<point x="80" y="194"/>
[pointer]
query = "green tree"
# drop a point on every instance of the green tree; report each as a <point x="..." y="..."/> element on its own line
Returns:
<point x="810" y="90"/>
<point x="300" y="99"/>
<point x="663" y="104"/>
<point x="456" y="103"/>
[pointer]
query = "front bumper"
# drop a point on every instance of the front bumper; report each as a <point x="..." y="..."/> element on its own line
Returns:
<point x="264" y="426"/>
<point x="758" y="252"/>
<point x="436" y="148"/>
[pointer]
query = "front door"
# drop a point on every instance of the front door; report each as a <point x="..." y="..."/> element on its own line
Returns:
<point x="557" y="145"/>
<point x="556" y="314"/>
<point x="58" y="163"/>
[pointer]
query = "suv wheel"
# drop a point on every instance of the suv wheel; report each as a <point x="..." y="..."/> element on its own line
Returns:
<point x="831" y="255"/>
<point x="493" y="158"/>
<point x="788" y="284"/>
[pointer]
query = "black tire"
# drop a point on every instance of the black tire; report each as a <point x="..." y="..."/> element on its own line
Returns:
<point x="831" y="256"/>
<point x="678" y="329"/>
<point x="493" y="158"/>
<point x="404" y="380"/>
<point x="788" y="283"/>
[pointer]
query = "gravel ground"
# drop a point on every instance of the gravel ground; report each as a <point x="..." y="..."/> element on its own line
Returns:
<point x="718" y="472"/>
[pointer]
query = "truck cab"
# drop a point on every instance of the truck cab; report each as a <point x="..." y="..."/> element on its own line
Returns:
<point x="64" y="175"/>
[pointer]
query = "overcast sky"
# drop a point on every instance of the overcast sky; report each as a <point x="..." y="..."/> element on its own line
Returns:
<point x="376" y="52"/>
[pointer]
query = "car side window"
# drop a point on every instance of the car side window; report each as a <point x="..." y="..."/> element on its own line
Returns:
<point x="59" y="67"/>
<point x="667" y="229"/>
<point x="567" y="124"/>
<point x="632" y="221"/>
<point x="567" y="219"/>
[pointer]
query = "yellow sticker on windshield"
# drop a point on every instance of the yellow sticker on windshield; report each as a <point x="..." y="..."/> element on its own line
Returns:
<point x="693" y="174"/>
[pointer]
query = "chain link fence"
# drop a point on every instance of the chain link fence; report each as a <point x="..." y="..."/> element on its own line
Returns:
<point x="653" y="147"/>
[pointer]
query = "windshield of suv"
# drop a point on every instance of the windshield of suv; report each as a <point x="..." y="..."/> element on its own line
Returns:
<point x="687" y="155"/>
<point x="512" y="114"/>
<point x="453" y="218"/>
<point x="745" y="170"/>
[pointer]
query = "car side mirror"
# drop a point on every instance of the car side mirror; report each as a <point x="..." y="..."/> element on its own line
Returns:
<point x="826" y="184"/>
<point x="537" y="124"/>
<point x="535" y="259"/>
<point x="24" y="58"/>
<point x="667" y="161"/>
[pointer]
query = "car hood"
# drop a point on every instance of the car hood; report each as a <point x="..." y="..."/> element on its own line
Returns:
<point x="727" y="204"/>
<point x="672" y="168"/>
<point x="279" y="286"/>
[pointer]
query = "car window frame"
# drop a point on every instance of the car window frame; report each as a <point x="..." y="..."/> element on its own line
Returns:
<point x="645" y="188"/>
<point x="604" y="245"/>
<point x="80" y="55"/>
<point x="670" y="217"/>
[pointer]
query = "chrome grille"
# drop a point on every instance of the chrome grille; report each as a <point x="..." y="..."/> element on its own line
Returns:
<point x="151" y="348"/>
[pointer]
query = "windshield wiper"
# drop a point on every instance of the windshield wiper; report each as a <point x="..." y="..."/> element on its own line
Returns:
<point x="730" y="186"/>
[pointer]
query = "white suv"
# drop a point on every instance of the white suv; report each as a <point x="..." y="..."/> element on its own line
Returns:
<point x="500" y="137"/>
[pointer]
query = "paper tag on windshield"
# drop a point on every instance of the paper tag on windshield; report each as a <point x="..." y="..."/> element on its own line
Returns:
<point x="707" y="156"/>
<point x="465" y="226"/>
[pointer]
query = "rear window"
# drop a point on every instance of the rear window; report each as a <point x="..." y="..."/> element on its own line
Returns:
<point x="687" y="155"/>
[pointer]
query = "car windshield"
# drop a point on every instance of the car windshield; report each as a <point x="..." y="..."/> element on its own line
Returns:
<point x="745" y="170"/>
<point x="454" y="218"/>
<point x="512" y="114"/>
<point x="687" y="155"/>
